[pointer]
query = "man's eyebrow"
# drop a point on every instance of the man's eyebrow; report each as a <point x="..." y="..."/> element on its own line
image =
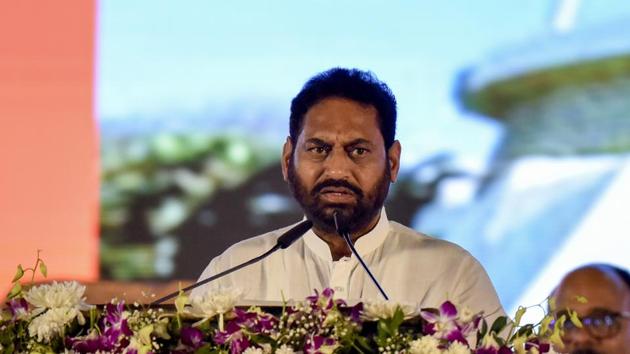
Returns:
<point x="316" y="141"/>
<point x="359" y="141"/>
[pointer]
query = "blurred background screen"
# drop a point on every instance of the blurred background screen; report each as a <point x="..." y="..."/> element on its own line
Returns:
<point x="513" y="120"/>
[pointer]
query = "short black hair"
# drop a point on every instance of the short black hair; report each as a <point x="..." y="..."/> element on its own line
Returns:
<point x="353" y="84"/>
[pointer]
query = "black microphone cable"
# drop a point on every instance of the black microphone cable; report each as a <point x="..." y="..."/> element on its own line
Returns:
<point x="346" y="236"/>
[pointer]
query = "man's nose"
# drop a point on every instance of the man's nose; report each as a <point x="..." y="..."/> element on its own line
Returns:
<point x="337" y="164"/>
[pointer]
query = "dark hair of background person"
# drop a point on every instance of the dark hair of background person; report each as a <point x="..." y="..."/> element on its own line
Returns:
<point x="353" y="84"/>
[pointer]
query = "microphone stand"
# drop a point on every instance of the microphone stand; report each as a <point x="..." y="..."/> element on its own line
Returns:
<point x="284" y="241"/>
<point x="346" y="237"/>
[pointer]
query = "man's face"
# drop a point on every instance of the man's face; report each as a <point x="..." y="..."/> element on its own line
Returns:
<point x="339" y="163"/>
<point x="594" y="293"/>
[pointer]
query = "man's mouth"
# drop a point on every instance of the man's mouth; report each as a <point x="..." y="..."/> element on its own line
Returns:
<point x="336" y="190"/>
<point x="337" y="194"/>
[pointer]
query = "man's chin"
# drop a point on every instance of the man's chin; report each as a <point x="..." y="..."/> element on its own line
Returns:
<point x="323" y="217"/>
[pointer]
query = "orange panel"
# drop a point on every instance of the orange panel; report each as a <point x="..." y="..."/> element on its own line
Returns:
<point x="48" y="141"/>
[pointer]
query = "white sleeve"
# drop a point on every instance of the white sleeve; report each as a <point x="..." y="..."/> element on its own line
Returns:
<point x="475" y="290"/>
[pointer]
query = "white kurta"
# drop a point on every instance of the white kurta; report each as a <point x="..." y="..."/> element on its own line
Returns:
<point x="411" y="268"/>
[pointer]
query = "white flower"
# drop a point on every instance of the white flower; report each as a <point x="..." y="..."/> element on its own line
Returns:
<point x="457" y="348"/>
<point x="252" y="350"/>
<point x="331" y="318"/>
<point x="375" y="310"/>
<point x="466" y="314"/>
<point x="51" y="323"/>
<point x="285" y="349"/>
<point x="425" y="345"/>
<point x="211" y="304"/>
<point x="67" y="295"/>
<point x="266" y="348"/>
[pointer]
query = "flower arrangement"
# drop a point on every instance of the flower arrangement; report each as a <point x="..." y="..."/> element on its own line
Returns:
<point x="54" y="318"/>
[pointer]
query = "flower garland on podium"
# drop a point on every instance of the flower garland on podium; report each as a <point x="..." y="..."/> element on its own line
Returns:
<point x="54" y="318"/>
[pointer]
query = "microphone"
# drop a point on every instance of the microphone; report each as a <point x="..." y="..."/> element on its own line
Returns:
<point x="343" y="232"/>
<point x="285" y="240"/>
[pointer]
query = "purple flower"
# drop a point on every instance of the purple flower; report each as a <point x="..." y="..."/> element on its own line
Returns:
<point x="244" y="324"/>
<point x="502" y="350"/>
<point x="324" y="301"/>
<point x="319" y="345"/>
<point x="234" y="337"/>
<point x="265" y="323"/>
<point x="18" y="308"/>
<point x="89" y="344"/>
<point x="355" y="313"/>
<point x="489" y="345"/>
<point x="535" y="343"/>
<point x="446" y="324"/>
<point x="192" y="337"/>
<point x="115" y="333"/>
<point x="114" y="327"/>
<point x="443" y="325"/>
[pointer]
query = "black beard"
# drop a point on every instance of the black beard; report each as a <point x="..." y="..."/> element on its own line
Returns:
<point x="351" y="218"/>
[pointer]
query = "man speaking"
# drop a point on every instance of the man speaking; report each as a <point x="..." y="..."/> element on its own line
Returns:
<point x="339" y="160"/>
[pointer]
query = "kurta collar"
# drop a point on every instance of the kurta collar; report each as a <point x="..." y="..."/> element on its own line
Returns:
<point x="364" y="245"/>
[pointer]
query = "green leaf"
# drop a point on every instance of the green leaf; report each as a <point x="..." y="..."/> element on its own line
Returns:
<point x="551" y="301"/>
<point x="43" y="269"/>
<point x="204" y="349"/>
<point x="383" y="329"/>
<point x="180" y="302"/>
<point x="573" y="317"/>
<point x="397" y="320"/>
<point x="93" y="317"/>
<point x="363" y="343"/>
<point x="482" y="333"/>
<point x="519" y="314"/>
<point x="144" y="334"/>
<point x="499" y="324"/>
<point x="500" y="341"/>
<point x="18" y="274"/>
<point x="581" y="299"/>
<point x="525" y="331"/>
<point x="16" y="290"/>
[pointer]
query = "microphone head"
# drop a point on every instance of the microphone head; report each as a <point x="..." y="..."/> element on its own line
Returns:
<point x="286" y="239"/>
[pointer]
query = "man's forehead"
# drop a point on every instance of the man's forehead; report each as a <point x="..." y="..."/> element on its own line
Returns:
<point x="591" y="288"/>
<point x="341" y="119"/>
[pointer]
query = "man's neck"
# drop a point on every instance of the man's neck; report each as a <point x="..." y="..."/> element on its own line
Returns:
<point x="336" y="243"/>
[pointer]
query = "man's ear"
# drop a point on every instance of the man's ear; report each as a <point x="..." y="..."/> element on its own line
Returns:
<point x="287" y="155"/>
<point x="393" y="159"/>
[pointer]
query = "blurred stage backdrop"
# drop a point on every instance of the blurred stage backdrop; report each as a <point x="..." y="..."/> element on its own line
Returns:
<point x="514" y="122"/>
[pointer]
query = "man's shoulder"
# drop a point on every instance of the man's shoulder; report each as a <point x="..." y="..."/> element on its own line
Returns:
<point x="254" y="246"/>
<point x="414" y="239"/>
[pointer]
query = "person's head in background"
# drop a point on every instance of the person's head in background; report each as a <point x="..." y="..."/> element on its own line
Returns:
<point x="600" y="295"/>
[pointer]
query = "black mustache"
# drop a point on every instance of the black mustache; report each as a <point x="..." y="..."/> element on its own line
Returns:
<point x="337" y="183"/>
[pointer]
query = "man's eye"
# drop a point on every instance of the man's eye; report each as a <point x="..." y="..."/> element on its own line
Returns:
<point x="359" y="151"/>
<point x="318" y="150"/>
